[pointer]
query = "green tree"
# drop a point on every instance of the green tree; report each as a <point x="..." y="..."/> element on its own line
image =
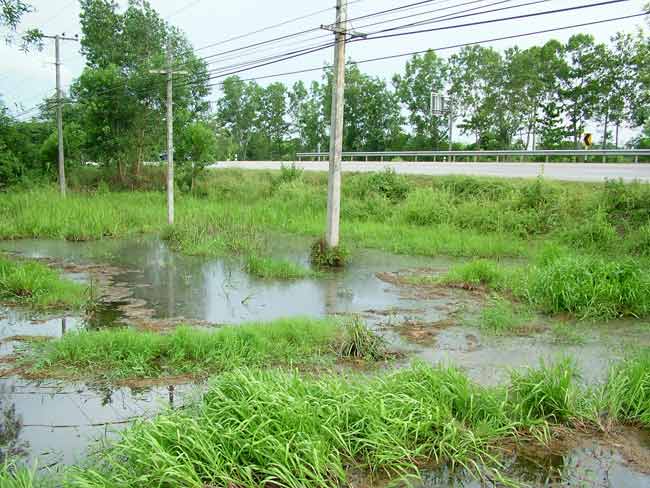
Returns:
<point x="422" y="76"/>
<point x="238" y="112"/>
<point x="476" y="73"/>
<point x="11" y="12"/>
<point x="579" y="84"/>
<point x="121" y="100"/>
<point x="307" y="117"/>
<point x="197" y="148"/>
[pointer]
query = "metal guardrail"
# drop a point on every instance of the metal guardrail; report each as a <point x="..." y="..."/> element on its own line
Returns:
<point x="499" y="156"/>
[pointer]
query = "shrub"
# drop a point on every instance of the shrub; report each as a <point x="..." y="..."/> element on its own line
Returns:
<point x="387" y="183"/>
<point x="288" y="174"/>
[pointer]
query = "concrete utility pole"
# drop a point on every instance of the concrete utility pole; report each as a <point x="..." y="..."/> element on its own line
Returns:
<point x="59" y="106"/>
<point x="332" y="235"/>
<point x="340" y="30"/>
<point x="169" y="71"/>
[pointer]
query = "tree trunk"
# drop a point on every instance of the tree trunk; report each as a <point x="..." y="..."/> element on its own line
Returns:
<point x="605" y="138"/>
<point x="618" y="126"/>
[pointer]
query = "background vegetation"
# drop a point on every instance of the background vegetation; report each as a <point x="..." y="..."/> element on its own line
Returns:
<point x="543" y="96"/>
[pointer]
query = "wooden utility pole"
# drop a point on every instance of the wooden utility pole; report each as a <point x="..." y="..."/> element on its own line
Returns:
<point x="59" y="106"/>
<point x="169" y="71"/>
<point x="332" y="235"/>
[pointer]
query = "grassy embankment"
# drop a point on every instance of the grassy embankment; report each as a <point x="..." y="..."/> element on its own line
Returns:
<point x="128" y="354"/>
<point x="34" y="285"/>
<point x="255" y="428"/>
<point x="605" y="227"/>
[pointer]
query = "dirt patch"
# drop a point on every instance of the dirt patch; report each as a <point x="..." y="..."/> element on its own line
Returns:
<point x="421" y="332"/>
<point x="26" y="338"/>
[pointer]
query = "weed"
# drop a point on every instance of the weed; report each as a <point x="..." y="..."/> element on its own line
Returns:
<point x="596" y="232"/>
<point x="13" y="475"/>
<point x="35" y="285"/>
<point x="271" y="268"/>
<point x="323" y="256"/>
<point x="288" y="174"/>
<point x="361" y="343"/>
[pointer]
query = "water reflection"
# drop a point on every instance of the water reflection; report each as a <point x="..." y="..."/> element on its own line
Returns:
<point x="10" y="427"/>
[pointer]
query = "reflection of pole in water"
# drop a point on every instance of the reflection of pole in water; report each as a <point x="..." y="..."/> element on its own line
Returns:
<point x="171" y="287"/>
<point x="171" y="395"/>
<point x="64" y="326"/>
<point x="330" y="290"/>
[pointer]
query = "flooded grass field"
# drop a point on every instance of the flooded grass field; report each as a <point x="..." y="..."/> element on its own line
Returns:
<point x="141" y="283"/>
<point x="481" y="333"/>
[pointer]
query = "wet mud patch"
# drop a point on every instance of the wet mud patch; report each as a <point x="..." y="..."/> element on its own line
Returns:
<point x="421" y="332"/>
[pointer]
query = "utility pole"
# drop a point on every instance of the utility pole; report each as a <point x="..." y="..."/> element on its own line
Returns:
<point x="59" y="105"/>
<point x="332" y="235"/>
<point x="169" y="72"/>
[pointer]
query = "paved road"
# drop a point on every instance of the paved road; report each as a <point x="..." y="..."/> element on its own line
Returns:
<point x="557" y="171"/>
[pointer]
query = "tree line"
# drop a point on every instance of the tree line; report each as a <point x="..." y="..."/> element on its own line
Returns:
<point x="539" y="97"/>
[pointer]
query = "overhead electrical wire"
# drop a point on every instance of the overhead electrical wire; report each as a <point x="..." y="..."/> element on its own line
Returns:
<point x="291" y="55"/>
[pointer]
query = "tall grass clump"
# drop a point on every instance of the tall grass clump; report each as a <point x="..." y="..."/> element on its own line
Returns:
<point x="79" y="217"/>
<point x="35" y="285"/>
<point x="272" y="268"/>
<point x="127" y="353"/>
<point x="549" y="393"/>
<point x="361" y="343"/>
<point x="591" y="287"/>
<point x="13" y="475"/>
<point x="478" y="273"/>
<point x="502" y="316"/>
<point x="386" y="183"/>
<point x="280" y="429"/>
<point x="627" y="391"/>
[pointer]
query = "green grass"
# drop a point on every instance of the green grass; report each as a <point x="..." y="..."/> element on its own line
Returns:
<point x="501" y="316"/>
<point x="279" y="269"/>
<point x="590" y="288"/>
<point x="279" y="428"/>
<point x="560" y="227"/>
<point x="259" y="429"/>
<point x="127" y="353"/>
<point x="14" y="476"/>
<point x="32" y="284"/>
<point x="626" y="396"/>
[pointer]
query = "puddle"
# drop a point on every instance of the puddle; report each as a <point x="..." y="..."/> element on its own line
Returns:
<point x="593" y="463"/>
<point x="56" y="423"/>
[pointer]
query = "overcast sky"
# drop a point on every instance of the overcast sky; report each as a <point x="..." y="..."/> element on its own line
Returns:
<point x="26" y="78"/>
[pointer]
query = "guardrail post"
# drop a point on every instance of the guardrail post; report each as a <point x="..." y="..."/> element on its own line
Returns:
<point x="604" y="158"/>
<point x="636" y="158"/>
<point x="546" y="159"/>
<point x="497" y="159"/>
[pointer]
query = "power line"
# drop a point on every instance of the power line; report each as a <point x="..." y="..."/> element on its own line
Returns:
<point x="450" y="47"/>
<point x="491" y="21"/>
